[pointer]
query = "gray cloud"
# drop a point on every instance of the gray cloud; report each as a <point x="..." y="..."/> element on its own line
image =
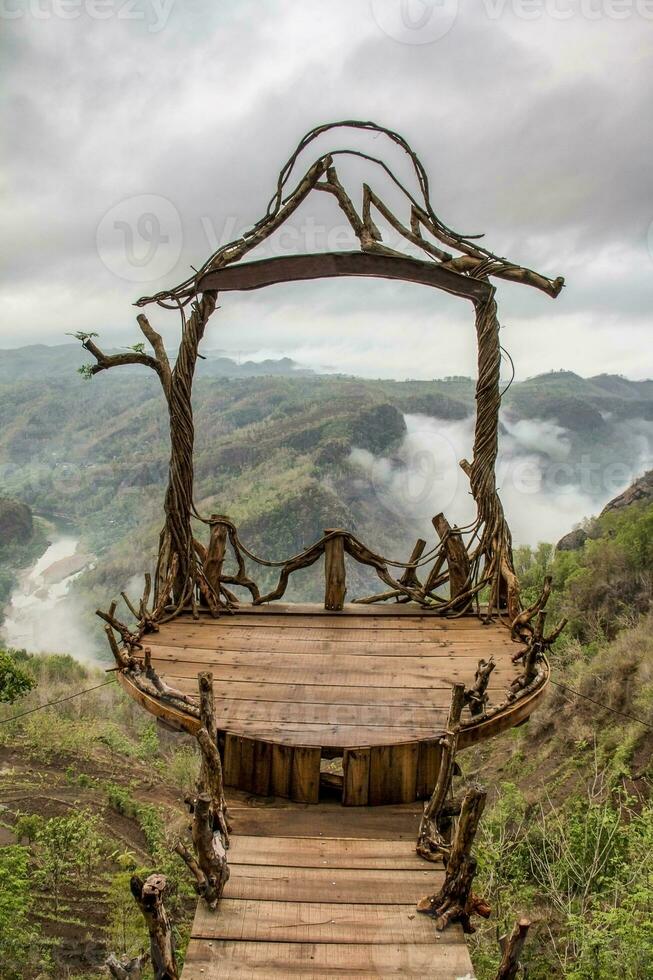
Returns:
<point x="533" y="131"/>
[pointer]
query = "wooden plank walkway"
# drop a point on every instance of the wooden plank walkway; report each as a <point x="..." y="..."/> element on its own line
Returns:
<point x="307" y="901"/>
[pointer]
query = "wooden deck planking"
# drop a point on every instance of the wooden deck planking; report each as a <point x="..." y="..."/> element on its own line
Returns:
<point x="276" y="883"/>
<point x="325" y="906"/>
<point x="316" y="922"/>
<point x="294" y="682"/>
<point x="230" y="712"/>
<point x="306" y="693"/>
<point x="377" y="828"/>
<point x="325" y="852"/>
<point x="377" y="681"/>
<point x="210" y="960"/>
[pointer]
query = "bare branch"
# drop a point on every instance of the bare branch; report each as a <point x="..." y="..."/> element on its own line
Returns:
<point x="106" y="361"/>
<point x="156" y="342"/>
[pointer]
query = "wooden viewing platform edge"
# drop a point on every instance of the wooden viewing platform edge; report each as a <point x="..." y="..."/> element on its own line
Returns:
<point x="295" y="685"/>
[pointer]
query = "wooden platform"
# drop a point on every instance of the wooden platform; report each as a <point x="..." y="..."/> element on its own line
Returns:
<point x="326" y="905"/>
<point x="295" y="685"/>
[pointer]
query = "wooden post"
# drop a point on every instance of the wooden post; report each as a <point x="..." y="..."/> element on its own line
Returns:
<point x="476" y="696"/>
<point x="455" y="901"/>
<point x="211" y="777"/>
<point x="334" y="571"/>
<point x="409" y="577"/>
<point x="211" y="853"/>
<point x="149" y="895"/>
<point x="214" y="785"/>
<point x="207" y="704"/>
<point x="431" y="841"/>
<point x="457" y="557"/>
<point x="511" y="948"/>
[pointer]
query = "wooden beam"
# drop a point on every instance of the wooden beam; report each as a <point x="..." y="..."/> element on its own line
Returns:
<point x="329" y="265"/>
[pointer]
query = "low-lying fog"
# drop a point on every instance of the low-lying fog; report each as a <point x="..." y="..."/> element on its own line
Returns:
<point x="545" y="492"/>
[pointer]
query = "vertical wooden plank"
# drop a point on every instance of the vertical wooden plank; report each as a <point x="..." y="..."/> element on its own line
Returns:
<point x="262" y="768"/>
<point x="335" y="586"/>
<point x="305" y="774"/>
<point x="428" y="764"/>
<point x="281" y="770"/>
<point x="247" y="753"/>
<point x="231" y="759"/>
<point x="380" y="778"/>
<point x="356" y="783"/>
<point x="393" y="773"/>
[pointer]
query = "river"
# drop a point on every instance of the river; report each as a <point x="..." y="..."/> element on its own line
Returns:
<point x="41" y="615"/>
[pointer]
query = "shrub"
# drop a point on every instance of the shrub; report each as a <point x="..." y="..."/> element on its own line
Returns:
<point x="66" y="847"/>
<point x="14" y="681"/>
<point x="16" y="935"/>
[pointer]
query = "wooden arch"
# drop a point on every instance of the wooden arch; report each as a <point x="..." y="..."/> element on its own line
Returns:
<point x="189" y="574"/>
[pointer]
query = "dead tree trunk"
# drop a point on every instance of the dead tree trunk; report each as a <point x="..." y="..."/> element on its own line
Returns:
<point x="177" y="571"/>
<point x="455" y="901"/>
<point x="127" y="968"/>
<point x="149" y="895"/>
<point x="208" y="865"/>
<point x="432" y="842"/>
<point x="409" y="577"/>
<point x="511" y="948"/>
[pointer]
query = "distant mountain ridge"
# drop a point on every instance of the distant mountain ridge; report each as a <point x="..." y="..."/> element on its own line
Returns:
<point x="276" y="450"/>
<point x="41" y="361"/>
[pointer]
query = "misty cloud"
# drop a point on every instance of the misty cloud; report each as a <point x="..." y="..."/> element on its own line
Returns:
<point x="542" y="493"/>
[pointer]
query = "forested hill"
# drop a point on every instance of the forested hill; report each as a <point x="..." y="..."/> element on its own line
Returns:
<point x="287" y="454"/>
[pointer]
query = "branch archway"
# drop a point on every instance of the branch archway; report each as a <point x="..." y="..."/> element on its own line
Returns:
<point x="190" y="575"/>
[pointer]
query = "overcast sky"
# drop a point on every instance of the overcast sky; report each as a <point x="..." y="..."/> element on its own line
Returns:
<point x="141" y="134"/>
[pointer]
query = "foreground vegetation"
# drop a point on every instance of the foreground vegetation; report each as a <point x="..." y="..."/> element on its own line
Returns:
<point x="90" y="791"/>
<point x="568" y="838"/>
<point x="89" y="795"/>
